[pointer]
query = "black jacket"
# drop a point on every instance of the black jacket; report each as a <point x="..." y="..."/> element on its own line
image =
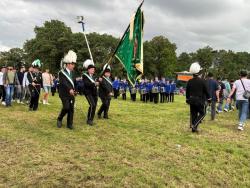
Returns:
<point x="89" y="87"/>
<point x="65" y="85"/>
<point x="36" y="78"/>
<point x="105" y="88"/>
<point x="198" y="89"/>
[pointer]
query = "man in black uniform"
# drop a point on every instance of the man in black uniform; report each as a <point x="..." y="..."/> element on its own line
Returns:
<point x="105" y="91"/>
<point x="35" y="84"/>
<point x="90" y="90"/>
<point x="196" y="95"/>
<point x="67" y="90"/>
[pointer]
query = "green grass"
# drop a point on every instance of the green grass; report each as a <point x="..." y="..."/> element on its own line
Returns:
<point x="137" y="147"/>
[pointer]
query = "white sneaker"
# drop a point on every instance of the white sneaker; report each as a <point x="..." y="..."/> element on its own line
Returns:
<point x="241" y="127"/>
<point x="18" y="101"/>
<point x="226" y="110"/>
<point x="3" y="103"/>
<point x="44" y="102"/>
<point x="48" y="103"/>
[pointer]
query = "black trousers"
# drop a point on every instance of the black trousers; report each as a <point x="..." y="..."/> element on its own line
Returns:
<point x="167" y="97"/>
<point x="124" y="96"/>
<point x="116" y="93"/>
<point x="197" y="112"/>
<point x="34" y="98"/>
<point x="2" y="92"/>
<point x="133" y="97"/>
<point x="67" y="108"/>
<point x="144" y="97"/>
<point x="53" y="91"/>
<point x="162" y="97"/>
<point x="104" y="107"/>
<point x="171" y="97"/>
<point x="151" y="97"/>
<point x="156" y="97"/>
<point x="92" y="100"/>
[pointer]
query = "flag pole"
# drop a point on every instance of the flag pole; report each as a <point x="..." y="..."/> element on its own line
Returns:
<point x="110" y="59"/>
<point x="87" y="42"/>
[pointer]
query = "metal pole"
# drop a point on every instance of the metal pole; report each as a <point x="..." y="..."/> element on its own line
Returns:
<point x="91" y="57"/>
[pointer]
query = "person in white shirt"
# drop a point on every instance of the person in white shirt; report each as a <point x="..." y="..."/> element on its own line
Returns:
<point x="240" y="86"/>
<point x="47" y="83"/>
<point x="26" y="95"/>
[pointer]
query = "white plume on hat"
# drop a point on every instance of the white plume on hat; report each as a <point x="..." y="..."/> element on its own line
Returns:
<point x="106" y="66"/>
<point x="36" y="63"/>
<point x="195" y="68"/>
<point x="87" y="63"/>
<point x="70" y="57"/>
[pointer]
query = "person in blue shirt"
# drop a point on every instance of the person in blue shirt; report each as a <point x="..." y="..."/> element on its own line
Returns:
<point x="213" y="89"/>
<point x="133" y="90"/>
<point x="149" y="88"/>
<point x="156" y="90"/>
<point x="162" y="90"/>
<point x="172" y="90"/>
<point x="167" y="90"/>
<point x="123" y="88"/>
<point x="143" y="91"/>
<point x="116" y="86"/>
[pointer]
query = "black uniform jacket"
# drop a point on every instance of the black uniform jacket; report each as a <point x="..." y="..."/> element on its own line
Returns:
<point x="197" y="89"/>
<point x="65" y="84"/>
<point x="105" y="88"/>
<point x="89" y="85"/>
<point x="36" y="78"/>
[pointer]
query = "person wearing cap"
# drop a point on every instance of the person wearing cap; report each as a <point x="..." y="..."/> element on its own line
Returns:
<point x="35" y="85"/>
<point x="196" y="95"/>
<point x="90" y="90"/>
<point x="67" y="89"/>
<point x="105" y="92"/>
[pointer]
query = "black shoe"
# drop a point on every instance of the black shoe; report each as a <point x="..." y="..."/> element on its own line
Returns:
<point x="99" y="116"/>
<point x="90" y="123"/>
<point x="194" y="129"/>
<point x="105" y="117"/>
<point x="70" y="127"/>
<point x="59" y="123"/>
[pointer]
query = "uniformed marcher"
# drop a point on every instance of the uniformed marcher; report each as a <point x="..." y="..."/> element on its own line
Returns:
<point x="35" y="84"/>
<point x="162" y="90"/>
<point x="196" y="95"/>
<point x="90" y="90"/>
<point x="67" y="90"/>
<point x="105" y="92"/>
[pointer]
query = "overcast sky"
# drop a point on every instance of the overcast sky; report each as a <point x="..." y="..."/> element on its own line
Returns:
<point x="191" y="24"/>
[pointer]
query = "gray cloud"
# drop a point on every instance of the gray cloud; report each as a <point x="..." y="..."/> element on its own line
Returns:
<point x="190" y="24"/>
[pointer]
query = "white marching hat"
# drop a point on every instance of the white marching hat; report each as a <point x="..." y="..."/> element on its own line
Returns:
<point x="88" y="64"/>
<point x="106" y="68"/>
<point x="195" y="68"/>
<point x="70" y="57"/>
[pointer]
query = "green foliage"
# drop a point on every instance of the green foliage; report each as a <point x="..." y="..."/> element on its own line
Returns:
<point x="13" y="57"/>
<point x="159" y="57"/>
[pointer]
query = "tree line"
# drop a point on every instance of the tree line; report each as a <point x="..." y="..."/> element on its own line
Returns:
<point x="54" y="39"/>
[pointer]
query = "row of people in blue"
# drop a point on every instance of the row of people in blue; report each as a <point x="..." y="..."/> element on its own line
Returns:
<point x="149" y="90"/>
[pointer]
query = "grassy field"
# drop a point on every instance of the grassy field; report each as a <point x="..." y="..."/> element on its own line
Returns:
<point x="142" y="145"/>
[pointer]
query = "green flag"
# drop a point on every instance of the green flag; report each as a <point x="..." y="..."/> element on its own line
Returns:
<point x="130" y="49"/>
